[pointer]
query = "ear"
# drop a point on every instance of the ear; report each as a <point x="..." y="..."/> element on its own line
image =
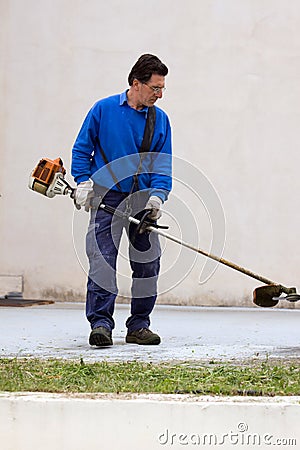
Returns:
<point x="136" y="84"/>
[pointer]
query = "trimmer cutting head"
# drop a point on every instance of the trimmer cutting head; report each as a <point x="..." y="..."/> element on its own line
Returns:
<point x="269" y="296"/>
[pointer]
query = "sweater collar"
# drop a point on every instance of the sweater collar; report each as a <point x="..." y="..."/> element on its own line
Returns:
<point x="123" y="101"/>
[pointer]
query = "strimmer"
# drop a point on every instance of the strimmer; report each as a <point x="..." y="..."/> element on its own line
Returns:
<point x="48" y="178"/>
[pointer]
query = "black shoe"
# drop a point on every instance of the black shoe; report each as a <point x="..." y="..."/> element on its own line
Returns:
<point x="101" y="337"/>
<point x="144" y="336"/>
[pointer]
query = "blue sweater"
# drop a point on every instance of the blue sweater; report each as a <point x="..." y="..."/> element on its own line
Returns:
<point x="120" y="129"/>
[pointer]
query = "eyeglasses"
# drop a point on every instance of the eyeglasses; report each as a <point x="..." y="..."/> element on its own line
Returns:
<point x="156" y="90"/>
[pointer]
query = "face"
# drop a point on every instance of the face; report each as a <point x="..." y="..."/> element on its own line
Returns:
<point x="146" y="95"/>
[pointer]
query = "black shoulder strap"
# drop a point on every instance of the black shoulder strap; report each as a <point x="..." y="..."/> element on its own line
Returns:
<point x="149" y="130"/>
<point x="146" y="144"/>
<point x="109" y="167"/>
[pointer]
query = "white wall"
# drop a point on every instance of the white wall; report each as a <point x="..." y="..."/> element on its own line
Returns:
<point x="153" y="421"/>
<point x="233" y="98"/>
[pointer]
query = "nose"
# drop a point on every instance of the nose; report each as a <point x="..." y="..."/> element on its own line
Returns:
<point x="159" y="94"/>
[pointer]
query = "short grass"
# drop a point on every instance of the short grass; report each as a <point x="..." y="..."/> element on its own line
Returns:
<point x="259" y="378"/>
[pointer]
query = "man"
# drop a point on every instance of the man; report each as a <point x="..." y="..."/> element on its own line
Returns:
<point x="125" y="164"/>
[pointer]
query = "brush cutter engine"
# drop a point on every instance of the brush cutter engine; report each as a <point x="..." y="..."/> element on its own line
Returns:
<point x="48" y="178"/>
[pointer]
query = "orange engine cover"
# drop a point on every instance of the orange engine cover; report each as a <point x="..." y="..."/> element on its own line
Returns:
<point x="46" y="169"/>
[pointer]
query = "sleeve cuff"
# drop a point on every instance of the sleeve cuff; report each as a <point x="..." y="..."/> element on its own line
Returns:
<point x="82" y="178"/>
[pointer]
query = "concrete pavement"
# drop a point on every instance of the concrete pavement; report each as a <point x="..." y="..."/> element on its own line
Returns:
<point x="68" y="422"/>
<point x="188" y="333"/>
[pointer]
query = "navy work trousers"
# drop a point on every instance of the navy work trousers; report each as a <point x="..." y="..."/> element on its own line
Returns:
<point x="102" y="246"/>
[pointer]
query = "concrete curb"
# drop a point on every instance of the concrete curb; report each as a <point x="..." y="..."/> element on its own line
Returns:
<point x="31" y="421"/>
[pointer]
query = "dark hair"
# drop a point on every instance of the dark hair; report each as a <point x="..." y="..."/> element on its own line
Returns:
<point x="145" y="67"/>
